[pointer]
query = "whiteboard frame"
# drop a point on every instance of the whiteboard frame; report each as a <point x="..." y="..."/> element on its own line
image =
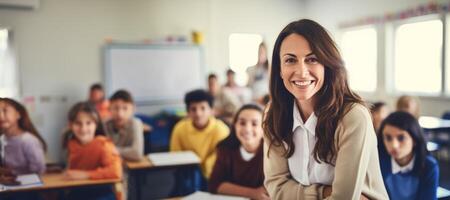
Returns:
<point x="107" y="70"/>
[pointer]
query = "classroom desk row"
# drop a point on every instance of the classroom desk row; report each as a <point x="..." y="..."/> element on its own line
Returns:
<point x="57" y="181"/>
<point x="137" y="171"/>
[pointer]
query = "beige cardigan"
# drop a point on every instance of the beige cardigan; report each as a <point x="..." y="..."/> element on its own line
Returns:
<point x="357" y="167"/>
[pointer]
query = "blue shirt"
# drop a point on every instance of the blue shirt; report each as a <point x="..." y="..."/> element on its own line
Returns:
<point x="410" y="186"/>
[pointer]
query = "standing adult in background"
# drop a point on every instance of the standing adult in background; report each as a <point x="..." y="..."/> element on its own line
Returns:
<point x="409" y="104"/>
<point x="319" y="141"/>
<point x="98" y="99"/>
<point x="258" y="75"/>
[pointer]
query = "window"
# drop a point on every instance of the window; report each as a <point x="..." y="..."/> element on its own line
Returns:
<point x="243" y="51"/>
<point x="8" y="71"/>
<point x="359" y="50"/>
<point x="418" y="57"/>
<point x="3" y="39"/>
<point x="447" y="56"/>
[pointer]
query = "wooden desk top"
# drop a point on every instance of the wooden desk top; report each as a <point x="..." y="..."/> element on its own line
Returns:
<point x="144" y="163"/>
<point x="428" y="122"/>
<point x="57" y="181"/>
<point x="52" y="181"/>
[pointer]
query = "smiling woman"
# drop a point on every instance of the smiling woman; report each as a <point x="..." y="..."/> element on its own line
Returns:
<point x="316" y="128"/>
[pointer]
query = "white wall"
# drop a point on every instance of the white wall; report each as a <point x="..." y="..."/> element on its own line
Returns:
<point x="59" y="47"/>
<point x="331" y="13"/>
<point x="59" y="44"/>
<point x="266" y="17"/>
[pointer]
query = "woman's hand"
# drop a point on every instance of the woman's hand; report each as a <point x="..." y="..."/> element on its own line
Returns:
<point x="260" y="194"/>
<point x="327" y="191"/>
<point x="76" y="175"/>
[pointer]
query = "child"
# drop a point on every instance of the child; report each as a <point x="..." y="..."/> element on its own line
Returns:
<point x="201" y="131"/>
<point x="239" y="167"/>
<point x="226" y="103"/>
<point x="97" y="98"/>
<point x="91" y="154"/>
<point x="125" y="130"/>
<point x="244" y="94"/>
<point x="409" y="172"/>
<point x="409" y="104"/>
<point x="379" y="112"/>
<point x="22" y="149"/>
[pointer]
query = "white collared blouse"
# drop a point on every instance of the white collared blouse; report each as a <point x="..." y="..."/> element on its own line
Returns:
<point x="302" y="165"/>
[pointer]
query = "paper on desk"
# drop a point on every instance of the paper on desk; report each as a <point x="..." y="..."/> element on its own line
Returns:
<point x="173" y="158"/>
<point x="208" y="196"/>
<point x="442" y="192"/>
<point x="26" y="181"/>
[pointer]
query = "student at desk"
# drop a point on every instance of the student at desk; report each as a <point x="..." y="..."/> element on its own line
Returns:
<point x="200" y="132"/>
<point x="409" y="172"/>
<point x="125" y="130"/>
<point x="239" y="167"/>
<point x="22" y="148"/>
<point x="409" y="104"/>
<point x="97" y="98"/>
<point x="91" y="154"/>
<point x="379" y="111"/>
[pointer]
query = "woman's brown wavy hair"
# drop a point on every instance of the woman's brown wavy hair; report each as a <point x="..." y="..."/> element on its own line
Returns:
<point x="334" y="99"/>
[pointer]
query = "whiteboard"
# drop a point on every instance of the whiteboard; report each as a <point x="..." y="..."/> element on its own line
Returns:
<point x="153" y="73"/>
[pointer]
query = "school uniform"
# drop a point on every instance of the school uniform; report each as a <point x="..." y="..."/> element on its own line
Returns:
<point x="402" y="183"/>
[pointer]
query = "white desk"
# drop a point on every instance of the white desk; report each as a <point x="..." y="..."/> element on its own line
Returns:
<point x="428" y="122"/>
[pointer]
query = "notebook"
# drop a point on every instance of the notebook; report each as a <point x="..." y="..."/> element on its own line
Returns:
<point x="173" y="158"/>
<point x="442" y="193"/>
<point x="26" y="181"/>
<point x="208" y="196"/>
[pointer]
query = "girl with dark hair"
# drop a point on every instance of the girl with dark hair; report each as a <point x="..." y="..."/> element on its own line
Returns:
<point x="409" y="172"/>
<point x="319" y="139"/>
<point x="239" y="166"/>
<point x="22" y="148"/>
<point x="379" y="111"/>
<point x="91" y="154"/>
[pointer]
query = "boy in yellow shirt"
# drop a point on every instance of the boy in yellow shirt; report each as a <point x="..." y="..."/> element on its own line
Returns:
<point x="200" y="132"/>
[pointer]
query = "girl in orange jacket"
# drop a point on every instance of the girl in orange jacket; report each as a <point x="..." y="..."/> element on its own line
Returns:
<point x="91" y="154"/>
